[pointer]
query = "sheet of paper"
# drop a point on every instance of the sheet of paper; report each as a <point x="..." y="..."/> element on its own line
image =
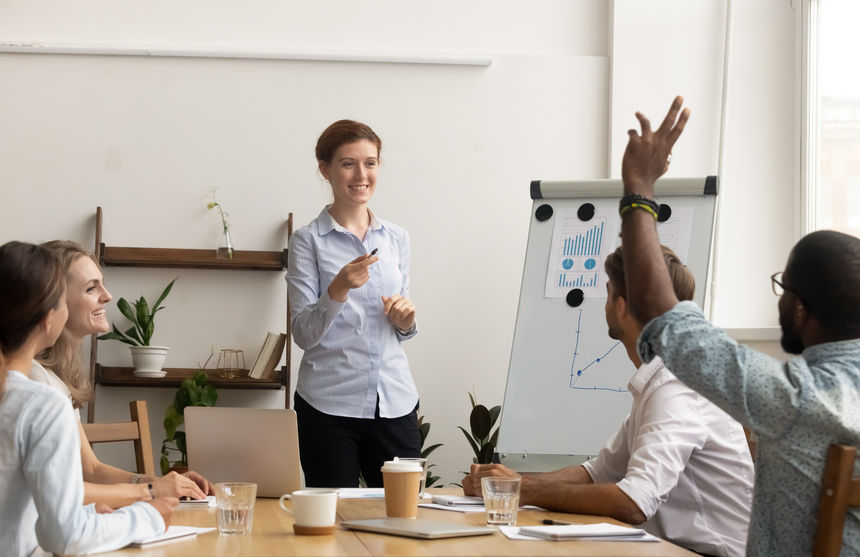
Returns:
<point x="366" y="493"/>
<point x="468" y="508"/>
<point x="455" y="508"/>
<point x="578" y="251"/>
<point x="173" y="534"/>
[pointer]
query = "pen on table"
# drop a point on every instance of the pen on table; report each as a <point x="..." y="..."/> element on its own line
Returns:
<point x="555" y="522"/>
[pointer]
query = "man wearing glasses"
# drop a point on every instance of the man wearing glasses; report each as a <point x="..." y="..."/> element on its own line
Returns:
<point x="798" y="407"/>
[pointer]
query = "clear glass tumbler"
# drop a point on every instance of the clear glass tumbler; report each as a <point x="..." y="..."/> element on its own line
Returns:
<point x="234" y="505"/>
<point x="501" y="500"/>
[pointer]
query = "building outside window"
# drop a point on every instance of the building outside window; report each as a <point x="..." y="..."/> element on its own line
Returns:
<point x="836" y="173"/>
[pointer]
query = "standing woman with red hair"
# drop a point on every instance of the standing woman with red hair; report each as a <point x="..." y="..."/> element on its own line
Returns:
<point x="348" y="283"/>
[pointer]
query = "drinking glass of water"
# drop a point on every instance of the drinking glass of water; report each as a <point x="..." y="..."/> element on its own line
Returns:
<point x="501" y="499"/>
<point x="234" y="503"/>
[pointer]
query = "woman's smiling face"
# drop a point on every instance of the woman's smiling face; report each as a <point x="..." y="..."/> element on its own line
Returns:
<point x="352" y="172"/>
<point x="86" y="297"/>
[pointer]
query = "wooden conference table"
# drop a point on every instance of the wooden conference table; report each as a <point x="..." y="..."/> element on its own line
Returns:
<point x="273" y="535"/>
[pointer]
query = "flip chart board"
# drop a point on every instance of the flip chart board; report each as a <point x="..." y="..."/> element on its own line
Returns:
<point x="566" y="391"/>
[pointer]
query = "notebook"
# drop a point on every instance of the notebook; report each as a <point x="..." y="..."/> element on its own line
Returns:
<point x="417" y="528"/>
<point x="257" y="445"/>
<point x="585" y="531"/>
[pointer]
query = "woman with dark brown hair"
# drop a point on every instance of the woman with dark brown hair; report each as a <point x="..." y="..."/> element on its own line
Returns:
<point x="61" y="366"/>
<point x="348" y="281"/>
<point x="41" y="492"/>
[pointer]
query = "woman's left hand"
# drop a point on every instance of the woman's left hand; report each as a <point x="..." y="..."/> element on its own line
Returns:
<point x="399" y="310"/>
<point x="204" y="484"/>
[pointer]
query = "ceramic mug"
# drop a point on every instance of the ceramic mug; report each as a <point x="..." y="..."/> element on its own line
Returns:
<point x="314" y="510"/>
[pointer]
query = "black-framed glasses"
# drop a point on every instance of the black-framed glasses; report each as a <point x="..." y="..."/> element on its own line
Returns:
<point x="778" y="287"/>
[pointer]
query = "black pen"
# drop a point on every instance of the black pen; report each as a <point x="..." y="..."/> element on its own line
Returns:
<point x="555" y="522"/>
<point x="373" y="252"/>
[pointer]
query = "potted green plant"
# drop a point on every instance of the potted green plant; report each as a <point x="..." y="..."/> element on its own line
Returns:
<point x="194" y="391"/>
<point x="482" y="438"/>
<point x="424" y="430"/>
<point x="148" y="360"/>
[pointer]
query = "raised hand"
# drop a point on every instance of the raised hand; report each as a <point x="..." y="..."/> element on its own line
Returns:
<point x="353" y="275"/>
<point x="647" y="155"/>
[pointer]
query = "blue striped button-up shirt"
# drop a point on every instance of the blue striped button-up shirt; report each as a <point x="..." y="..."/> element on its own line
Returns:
<point x="352" y="351"/>
<point x="797" y="408"/>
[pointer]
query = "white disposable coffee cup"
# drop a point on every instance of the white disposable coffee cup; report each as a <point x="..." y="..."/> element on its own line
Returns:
<point x="314" y="510"/>
<point x="401" y="480"/>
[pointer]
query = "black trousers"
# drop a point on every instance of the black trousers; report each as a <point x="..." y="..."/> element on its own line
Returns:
<point x="333" y="448"/>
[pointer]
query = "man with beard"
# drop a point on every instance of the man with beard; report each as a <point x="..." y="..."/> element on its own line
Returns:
<point x="678" y="465"/>
<point x="798" y="407"/>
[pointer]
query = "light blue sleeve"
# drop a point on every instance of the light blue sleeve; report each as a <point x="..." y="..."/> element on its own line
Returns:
<point x="758" y="391"/>
<point x="311" y="312"/>
<point x="403" y="249"/>
<point x="52" y="467"/>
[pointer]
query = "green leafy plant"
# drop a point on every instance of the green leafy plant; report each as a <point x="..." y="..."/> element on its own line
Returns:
<point x="482" y="438"/>
<point x="194" y="391"/>
<point x="142" y="318"/>
<point x="424" y="430"/>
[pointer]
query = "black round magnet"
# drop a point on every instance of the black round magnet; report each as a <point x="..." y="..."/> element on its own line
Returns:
<point x="585" y="212"/>
<point x="664" y="213"/>
<point x="544" y="212"/>
<point x="575" y="297"/>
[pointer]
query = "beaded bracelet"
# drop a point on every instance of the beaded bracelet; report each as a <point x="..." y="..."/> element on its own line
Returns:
<point x="636" y="198"/>
<point x="635" y="205"/>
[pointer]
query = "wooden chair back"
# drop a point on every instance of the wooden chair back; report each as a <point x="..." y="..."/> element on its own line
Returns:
<point x="840" y="489"/>
<point x="137" y="430"/>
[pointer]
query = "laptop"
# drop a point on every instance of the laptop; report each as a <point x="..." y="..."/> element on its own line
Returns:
<point x="417" y="528"/>
<point x="256" y="445"/>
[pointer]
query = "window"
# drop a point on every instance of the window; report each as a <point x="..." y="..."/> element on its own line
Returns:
<point x="832" y="99"/>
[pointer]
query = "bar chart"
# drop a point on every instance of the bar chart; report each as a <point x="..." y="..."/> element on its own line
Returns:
<point x="577" y="280"/>
<point x="583" y="242"/>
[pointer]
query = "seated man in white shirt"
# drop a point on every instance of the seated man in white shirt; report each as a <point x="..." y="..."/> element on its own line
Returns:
<point x="678" y="465"/>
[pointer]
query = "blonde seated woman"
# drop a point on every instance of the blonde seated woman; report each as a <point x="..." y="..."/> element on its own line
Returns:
<point x="61" y="366"/>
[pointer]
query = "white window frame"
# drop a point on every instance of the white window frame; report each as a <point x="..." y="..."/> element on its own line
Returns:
<point x="809" y="138"/>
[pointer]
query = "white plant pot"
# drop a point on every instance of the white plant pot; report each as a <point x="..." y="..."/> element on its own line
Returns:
<point x="148" y="360"/>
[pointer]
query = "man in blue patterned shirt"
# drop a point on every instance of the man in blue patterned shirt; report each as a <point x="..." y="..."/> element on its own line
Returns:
<point x="798" y="407"/>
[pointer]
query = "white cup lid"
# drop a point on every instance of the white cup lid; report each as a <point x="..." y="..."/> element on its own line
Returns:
<point x="402" y="466"/>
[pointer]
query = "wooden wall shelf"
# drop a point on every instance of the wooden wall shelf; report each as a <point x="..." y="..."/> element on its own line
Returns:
<point x="185" y="259"/>
<point x="191" y="258"/>
<point x="123" y="377"/>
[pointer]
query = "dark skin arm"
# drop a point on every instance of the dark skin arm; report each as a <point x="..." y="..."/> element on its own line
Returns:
<point x="649" y="288"/>
<point x="569" y="490"/>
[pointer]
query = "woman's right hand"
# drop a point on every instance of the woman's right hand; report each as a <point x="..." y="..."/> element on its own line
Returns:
<point x="353" y="275"/>
<point x="165" y="506"/>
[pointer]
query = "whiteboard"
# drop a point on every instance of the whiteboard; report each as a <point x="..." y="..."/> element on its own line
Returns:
<point x="566" y="391"/>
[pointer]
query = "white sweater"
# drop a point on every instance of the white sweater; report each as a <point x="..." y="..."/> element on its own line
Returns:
<point x="41" y="487"/>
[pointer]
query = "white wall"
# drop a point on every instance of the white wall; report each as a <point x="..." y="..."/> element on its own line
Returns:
<point x="144" y="138"/>
<point x="663" y="48"/>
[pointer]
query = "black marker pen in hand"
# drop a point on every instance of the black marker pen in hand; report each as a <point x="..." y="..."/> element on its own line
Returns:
<point x="373" y="252"/>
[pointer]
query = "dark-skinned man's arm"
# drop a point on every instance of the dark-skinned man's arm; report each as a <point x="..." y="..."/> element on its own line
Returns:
<point x="649" y="288"/>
